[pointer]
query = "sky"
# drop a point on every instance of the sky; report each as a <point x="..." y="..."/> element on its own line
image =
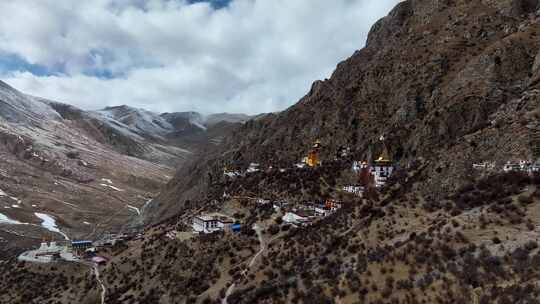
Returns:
<point x="210" y="56"/>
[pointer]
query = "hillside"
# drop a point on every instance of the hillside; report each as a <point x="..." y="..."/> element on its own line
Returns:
<point x="445" y="82"/>
<point x="477" y="246"/>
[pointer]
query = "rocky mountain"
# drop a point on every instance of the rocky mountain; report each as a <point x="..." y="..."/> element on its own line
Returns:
<point x="90" y="171"/>
<point x="443" y="81"/>
<point x="152" y="125"/>
<point x="140" y="121"/>
<point x="197" y="131"/>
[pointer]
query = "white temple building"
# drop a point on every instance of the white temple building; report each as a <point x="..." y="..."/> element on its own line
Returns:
<point x="211" y="223"/>
<point x="383" y="167"/>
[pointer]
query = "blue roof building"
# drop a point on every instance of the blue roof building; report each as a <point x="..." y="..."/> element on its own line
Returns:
<point x="236" y="227"/>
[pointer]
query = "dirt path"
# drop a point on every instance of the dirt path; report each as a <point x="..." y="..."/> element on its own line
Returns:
<point x="262" y="244"/>
<point x="228" y="293"/>
<point x="103" y="288"/>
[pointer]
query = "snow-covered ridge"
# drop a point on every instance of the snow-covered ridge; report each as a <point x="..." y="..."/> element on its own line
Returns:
<point x="136" y="121"/>
<point x="17" y="107"/>
<point x="139" y="121"/>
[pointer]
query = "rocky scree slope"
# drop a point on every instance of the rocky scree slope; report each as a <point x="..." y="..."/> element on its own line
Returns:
<point x="451" y="82"/>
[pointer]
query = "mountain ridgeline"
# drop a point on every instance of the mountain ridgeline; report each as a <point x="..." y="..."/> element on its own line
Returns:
<point x="447" y="82"/>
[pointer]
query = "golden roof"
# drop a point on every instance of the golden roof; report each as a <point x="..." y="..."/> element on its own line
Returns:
<point x="385" y="155"/>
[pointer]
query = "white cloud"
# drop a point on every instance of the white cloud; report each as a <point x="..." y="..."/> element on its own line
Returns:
<point x="165" y="55"/>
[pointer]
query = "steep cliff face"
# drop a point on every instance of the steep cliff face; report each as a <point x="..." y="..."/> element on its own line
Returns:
<point x="452" y="82"/>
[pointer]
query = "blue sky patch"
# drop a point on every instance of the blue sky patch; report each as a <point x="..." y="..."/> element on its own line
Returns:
<point x="216" y="4"/>
<point x="13" y="63"/>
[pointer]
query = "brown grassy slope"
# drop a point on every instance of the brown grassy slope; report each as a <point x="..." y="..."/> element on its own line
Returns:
<point x="410" y="252"/>
<point x="478" y="243"/>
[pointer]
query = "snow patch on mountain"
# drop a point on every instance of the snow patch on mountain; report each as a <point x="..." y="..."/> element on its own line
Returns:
<point x="198" y="124"/>
<point x="148" y="202"/>
<point x="49" y="223"/>
<point x="6" y="220"/>
<point x="13" y="198"/>
<point x="134" y="209"/>
<point x="111" y="187"/>
<point x="108" y="181"/>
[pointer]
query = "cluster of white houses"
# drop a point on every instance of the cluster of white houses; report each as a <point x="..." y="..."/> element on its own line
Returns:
<point x="253" y="167"/>
<point x="304" y="214"/>
<point x="307" y="213"/>
<point x="519" y="166"/>
<point x="49" y="252"/>
<point x="73" y="251"/>
<point x="356" y="190"/>
<point x="522" y="166"/>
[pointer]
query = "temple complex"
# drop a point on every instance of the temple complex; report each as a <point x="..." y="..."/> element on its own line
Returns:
<point x="313" y="158"/>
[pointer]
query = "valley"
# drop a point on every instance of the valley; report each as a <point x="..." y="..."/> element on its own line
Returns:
<point x="91" y="172"/>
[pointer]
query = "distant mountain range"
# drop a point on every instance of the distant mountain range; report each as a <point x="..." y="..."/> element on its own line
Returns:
<point x="87" y="169"/>
<point x="147" y="123"/>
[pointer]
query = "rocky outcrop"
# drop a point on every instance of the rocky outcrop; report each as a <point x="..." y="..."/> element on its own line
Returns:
<point x="520" y="7"/>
